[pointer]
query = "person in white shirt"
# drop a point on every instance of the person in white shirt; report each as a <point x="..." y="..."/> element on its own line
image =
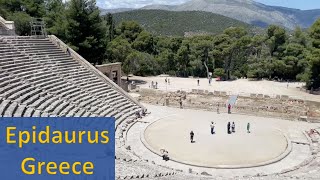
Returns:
<point x="212" y="127"/>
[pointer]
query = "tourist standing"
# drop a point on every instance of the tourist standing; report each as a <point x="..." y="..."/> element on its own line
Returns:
<point x="228" y="128"/>
<point x="156" y="85"/>
<point x="212" y="127"/>
<point x="248" y="128"/>
<point x="180" y="103"/>
<point x="233" y="127"/>
<point x="165" y="80"/>
<point x="218" y="108"/>
<point x="198" y="82"/>
<point x="191" y="136"/>
<point x="229" y="109"/>
<point x="152" y="84"/>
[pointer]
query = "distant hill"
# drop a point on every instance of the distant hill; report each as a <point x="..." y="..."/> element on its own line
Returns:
<point x="172" y="23"/>
<point x="105" y="11"/>
<point x="249" y="11"/>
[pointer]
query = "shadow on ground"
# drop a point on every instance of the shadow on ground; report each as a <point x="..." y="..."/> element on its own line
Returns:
<point x="136" y="81"/>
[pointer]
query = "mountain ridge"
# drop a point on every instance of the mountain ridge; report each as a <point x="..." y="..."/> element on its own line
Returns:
<point x="248" y="11"/>
<point x="181" y="23"/>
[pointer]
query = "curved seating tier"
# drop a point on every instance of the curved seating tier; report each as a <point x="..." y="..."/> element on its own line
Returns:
<point x="38" y="79"/>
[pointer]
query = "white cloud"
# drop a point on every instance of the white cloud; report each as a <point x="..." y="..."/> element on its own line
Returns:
<point x="111" y="4"/>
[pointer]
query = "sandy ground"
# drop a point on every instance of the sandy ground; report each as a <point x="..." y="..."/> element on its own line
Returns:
<point x="241" y="86"/>
<point x="264" y="143"/>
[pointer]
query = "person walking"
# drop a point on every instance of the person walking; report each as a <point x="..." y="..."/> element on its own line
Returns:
<point x="233" y="127"/>
<point x="218" y="108"/>
<point x="156" y="85"/>
<point x="191" y="136"/>
<point x="165" y="80"/>
<point x="180" y="103"/>
<point x="198" y="82"/>
<point x="248" y="128"/>
<point x="212" y="127"/>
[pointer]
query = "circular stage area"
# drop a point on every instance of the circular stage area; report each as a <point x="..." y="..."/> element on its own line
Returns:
<point x="264" y="145"/>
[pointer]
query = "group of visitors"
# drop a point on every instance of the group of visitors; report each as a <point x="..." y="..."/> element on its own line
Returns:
<point x="210" y="81"/>
<point x="231" y="128"/>
<point x="229" y="108"/>
<point x="141" y="113"/>
<point x="167" y="81"/>
<point x="154" y="85"/>
<point x="165" y="155"/>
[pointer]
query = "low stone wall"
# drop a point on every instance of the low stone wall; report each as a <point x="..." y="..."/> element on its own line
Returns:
<point x="259" y="105"/>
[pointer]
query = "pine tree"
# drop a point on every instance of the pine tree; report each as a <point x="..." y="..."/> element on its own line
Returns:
<point x="86" y="32"/>
<point x="110" y="26"/>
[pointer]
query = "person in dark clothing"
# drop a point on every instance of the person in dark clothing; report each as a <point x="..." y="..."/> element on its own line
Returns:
<point x="68" y="51"/>
<point x="138" y="115"/>
<point x="198" y="82"/>
<point x="228" y="126"/>
<point x="165" y="155"/>
<point x="191" y="136"/>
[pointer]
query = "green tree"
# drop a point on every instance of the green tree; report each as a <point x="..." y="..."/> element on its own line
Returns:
<point x="86" y="30"/>
<point x="276" y="38"/>
<point x="219" y="72"/>
<point x="56" y="22"/>
<point x="21" y="22"/>
<point x="129" y="30"/>
<point x="313" y="75"/>
<point x="184" y="57"/>
<point x="144" y="43"/>
<point x="110" y="27"/>
<point x="203" y="51"/>
<point x="119" y="49"/>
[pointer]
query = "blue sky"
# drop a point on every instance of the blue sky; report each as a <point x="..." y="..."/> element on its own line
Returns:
<point x="298" y="4"/>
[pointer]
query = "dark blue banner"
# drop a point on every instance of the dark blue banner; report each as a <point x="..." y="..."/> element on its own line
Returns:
<point x="57" y="148"/>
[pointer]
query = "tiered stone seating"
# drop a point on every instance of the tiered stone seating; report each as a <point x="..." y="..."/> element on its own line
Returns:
<point x="140" y="169"/>
<point x="40" y="79"/>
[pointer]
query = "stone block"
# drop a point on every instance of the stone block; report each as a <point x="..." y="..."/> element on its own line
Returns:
<point x="253" y="95"/>
<point x="216" y="93"/>
<point x="284" y="97"/>
<point x="200" y="91"/>
<point x="260" y="96"/>
<point x="223" y="93"/>
<point x="267" y="96"/>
